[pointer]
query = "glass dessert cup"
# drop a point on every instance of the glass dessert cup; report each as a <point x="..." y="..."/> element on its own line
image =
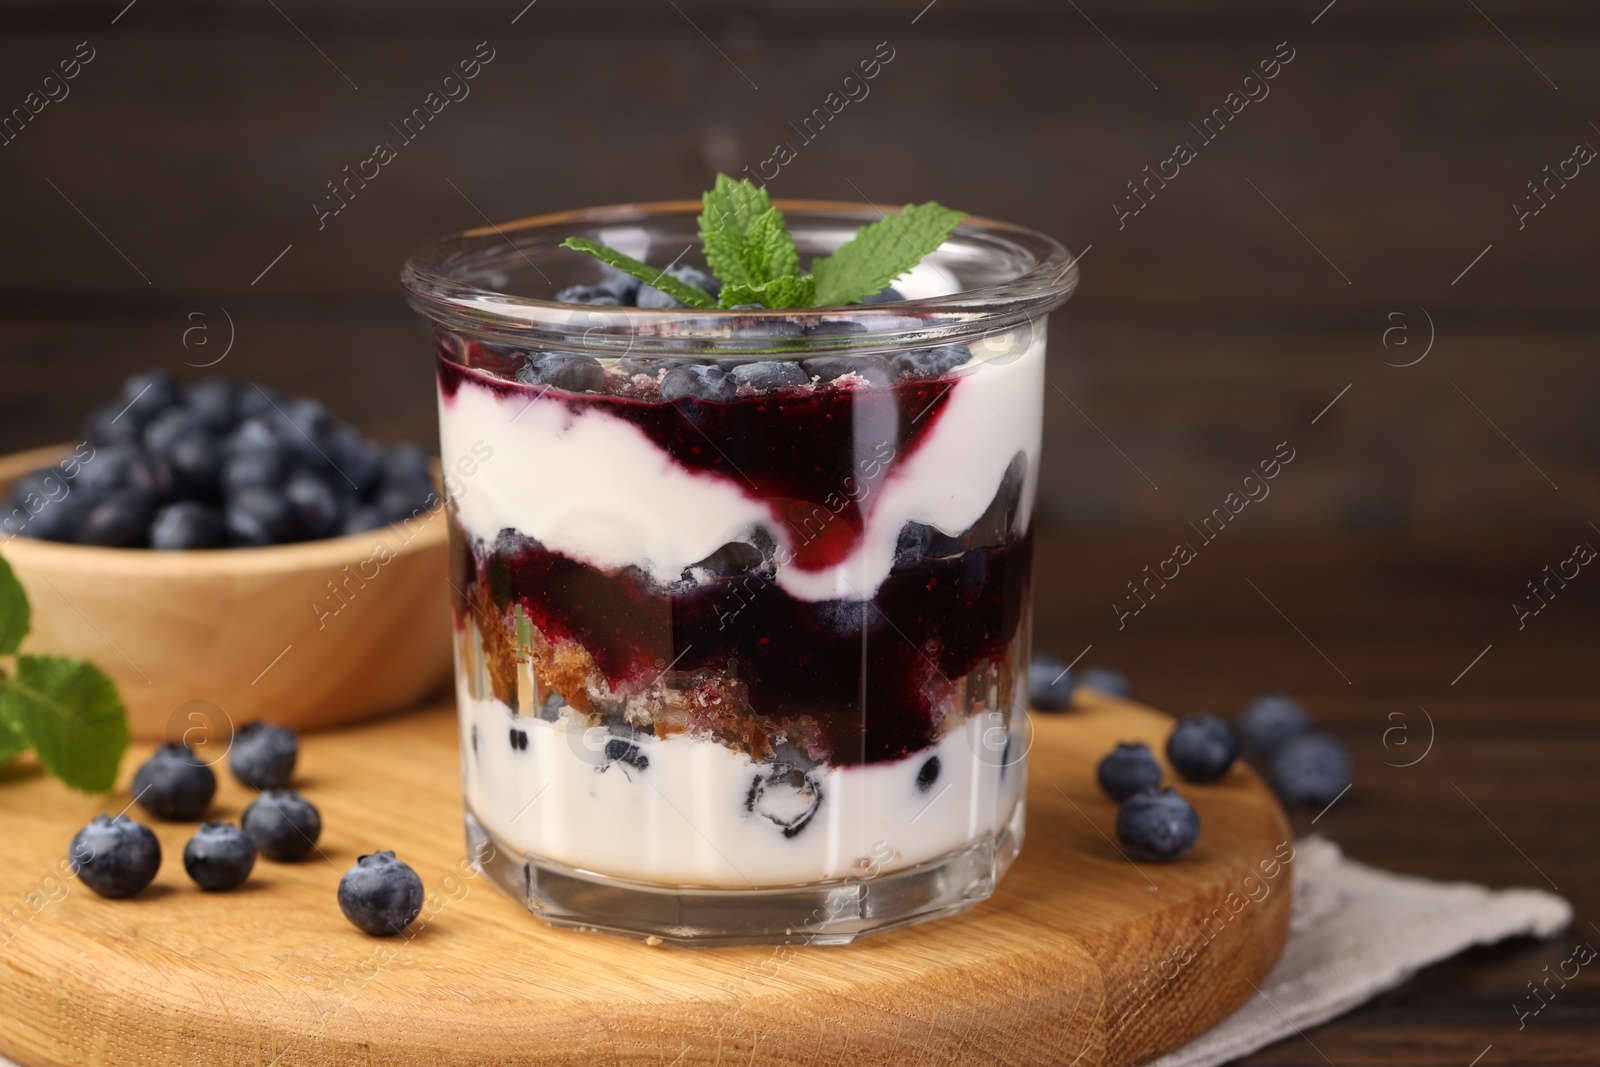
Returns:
<point x="741" y="649"/>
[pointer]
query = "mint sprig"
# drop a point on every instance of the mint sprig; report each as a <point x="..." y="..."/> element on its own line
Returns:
<point x="881" y="252"/>
<point x="746" y="243"/>
<point x="66" y="710"/>
<point x="683" y="292"/>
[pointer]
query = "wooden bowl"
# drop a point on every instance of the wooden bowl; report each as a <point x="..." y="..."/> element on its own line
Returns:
<point x="307" y="634"/>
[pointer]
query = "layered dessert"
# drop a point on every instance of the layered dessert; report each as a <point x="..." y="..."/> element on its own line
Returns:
<point x="743" y="622"/>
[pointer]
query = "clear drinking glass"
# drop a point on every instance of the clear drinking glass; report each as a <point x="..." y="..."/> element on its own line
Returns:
<point x="746" y="662"/>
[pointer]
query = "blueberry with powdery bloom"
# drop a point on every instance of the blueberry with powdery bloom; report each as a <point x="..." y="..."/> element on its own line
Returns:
<point x="115" y="856"/>
<point x="1158" y="825"/>
<point x="381" y="895"/>
<point x="174" y="784"/>
<point x="283" y="825"/>
<point x="1128" y="769"/>
<point x="1271" y="721"/>
<point x="1311" y="771"/>
<point x="219" y="857"/>
<point x="263" y="755"/>
<point x="1202" y="747"/>
<point x="1050" y="684"/>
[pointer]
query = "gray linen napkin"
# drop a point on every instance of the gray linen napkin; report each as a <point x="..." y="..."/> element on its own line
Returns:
<point x="1357" y="931"/>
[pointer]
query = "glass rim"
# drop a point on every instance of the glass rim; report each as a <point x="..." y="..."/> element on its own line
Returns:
<point x="434" y="278"/>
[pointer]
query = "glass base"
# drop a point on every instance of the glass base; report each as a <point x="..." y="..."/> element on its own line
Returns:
<point x="823" y="913"/>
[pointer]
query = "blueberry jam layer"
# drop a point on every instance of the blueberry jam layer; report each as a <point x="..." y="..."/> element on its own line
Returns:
<point x="734" y="656"/>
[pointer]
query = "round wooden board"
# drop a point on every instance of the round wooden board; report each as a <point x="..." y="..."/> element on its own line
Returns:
<point x="1081" y="957"/>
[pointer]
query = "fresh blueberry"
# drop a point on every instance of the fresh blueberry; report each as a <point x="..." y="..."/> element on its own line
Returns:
<point x="575" y="374"/>
<point x="1050" y="684"/>
<point x="112" y="424"/>
<point x="883" y="296"/>
<point x="358" y="461"/>
<point x="316" y="505"/>
<point x="787" y="797"/>
<point x="41" y="504"/>
<point x="361" y="519"/>
<point x="111" y="468"/>
<point x="406" y="462"/>
<point x="1202" y="747"/>
<point x="169" y="427"/>
<point x="868" y="369"/>
<point x="219" y="857"/>
<point x="215" y="402"/>
<point x="263" y="469"/>
<point x="258" y="401"/>
<point x="306" y="429"/>
<point x="1311" y="771"/>
<point x="928" y="774"/>
<point x="381" y="895"/>
<point x="1271" y="721"/>
<point x="283" y="824"/>
<point x="930" y="362"/>
<point x="620" y="284"/>
<point x="770" y="374"/>
<point x="263" y="755"/>
<point x="1128" y="769"/>
<point x="121" y="520"/>
<point x="1157" y="825"/>
<point x="588" y="294"/>
<point x="730" y="561"/>
<point x="621" y="750"/>
<point x="116" y="857"/>
<point x="912" y="545"/>
<point x="151" y="392"/>
<point x="188" y="524"/>
<point x="651" y="297"/>
<point x="401" y="499"/>
<point x="257" y="433"/>
<point x="697" y="381"/>
<point x="173" y="784"/>
<point x="1107" y="680"/>
<point x="257" y="517"/>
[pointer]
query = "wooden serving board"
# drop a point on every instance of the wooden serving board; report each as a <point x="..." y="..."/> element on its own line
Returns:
<point x="1082" y="956"/>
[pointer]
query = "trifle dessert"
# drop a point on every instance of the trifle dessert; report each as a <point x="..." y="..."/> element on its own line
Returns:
<point x="742" y="596"/>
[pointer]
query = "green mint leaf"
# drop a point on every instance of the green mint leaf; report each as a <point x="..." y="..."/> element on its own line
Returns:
<point x="14" y="611"/>
<point x="779" y="293"/>
<point x="745" y="239"/>
<point x="731" y="207"/>
<point x="71" y="713"/>
<point x="11" y="742"/>
<point x="692" y="295"/>
<point x="772" y="247"/>
<point x="881" y="252"/>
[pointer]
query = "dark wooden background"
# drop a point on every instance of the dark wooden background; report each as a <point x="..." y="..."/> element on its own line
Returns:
<point x="1223" y="319"/>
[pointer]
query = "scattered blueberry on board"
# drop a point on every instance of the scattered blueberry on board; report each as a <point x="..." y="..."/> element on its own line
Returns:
<point x="219" y="857"/>
<point x="1158" y="825"/>
<point x="214" y="464"/>
<point x="263" y="755"/>
<point x="1128" y="769"/>
<point x="381" y="895"/>
<point x="174" y="784"/>
<point x="1271" y="721"/>
<point x="1050" y="684"/>
<point x="115" y="856"/>
<point x="1202" y="747"/>
<point x="1310" y="771"/>
<point x="283" y="825"/>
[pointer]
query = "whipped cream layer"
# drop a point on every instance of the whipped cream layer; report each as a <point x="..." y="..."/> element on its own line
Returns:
<point x="591" y="485"/>
<point x="685" y="812"/>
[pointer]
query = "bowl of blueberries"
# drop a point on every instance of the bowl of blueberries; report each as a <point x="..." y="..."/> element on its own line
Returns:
<point x="220" y="542"/>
